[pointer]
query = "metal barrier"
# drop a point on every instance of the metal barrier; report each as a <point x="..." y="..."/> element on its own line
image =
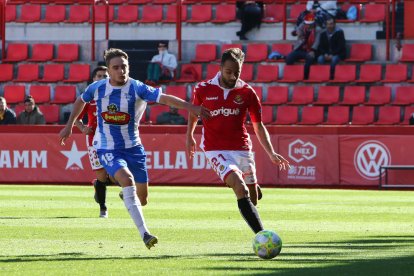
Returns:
<point x="384" y="170"/>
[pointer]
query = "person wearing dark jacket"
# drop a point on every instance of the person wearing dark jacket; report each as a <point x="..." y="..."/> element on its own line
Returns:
<point x="250" y="13"/>
<point x="331" y="47"/>
<point x="31" y="114"/>
<point x="7" y="116"/>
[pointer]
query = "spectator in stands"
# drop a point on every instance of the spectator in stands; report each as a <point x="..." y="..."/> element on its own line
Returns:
<point x="31" y="115"/>
<point x="171" y="117"/>
<point x="306" y="45"/>
<point x="332" y="46"/>
<point x="162" y="66"/>
<point x="7" y="116"/>
<point x="329" y="7"/>
<point x="251" y="14"/>
<point x="411" y="120"/>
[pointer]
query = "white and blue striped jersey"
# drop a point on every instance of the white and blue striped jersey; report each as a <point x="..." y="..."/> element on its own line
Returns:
<point x="119" y="110"/>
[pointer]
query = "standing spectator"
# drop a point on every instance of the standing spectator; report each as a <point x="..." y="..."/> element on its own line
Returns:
<point x="306" y="45"/>
<point x="31" y="114"/>
<point x="171" y="117"/>
<point x="251" y="14"/>
<point x="331" y="47"/>
<point x="7" y="116"/>
<point x="162" y="66"/>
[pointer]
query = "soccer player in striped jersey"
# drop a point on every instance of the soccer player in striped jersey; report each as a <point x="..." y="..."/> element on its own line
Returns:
<point x="120" y="104"/>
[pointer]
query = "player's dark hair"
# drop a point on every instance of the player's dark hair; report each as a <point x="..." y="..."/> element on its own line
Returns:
<point x="97" y="69"/>
<point x="233" y="54"/>
<point x="112" y="53"/>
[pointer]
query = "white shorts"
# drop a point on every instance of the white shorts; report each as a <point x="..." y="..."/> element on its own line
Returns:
<point x="93" y="157"/>
<point x="226" y="161"/>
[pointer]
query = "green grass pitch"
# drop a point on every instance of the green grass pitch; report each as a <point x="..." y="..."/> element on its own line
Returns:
<point x="55" y="230"/>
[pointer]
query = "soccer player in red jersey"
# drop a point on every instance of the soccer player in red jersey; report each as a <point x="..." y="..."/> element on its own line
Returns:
<point x="225" y="140"/>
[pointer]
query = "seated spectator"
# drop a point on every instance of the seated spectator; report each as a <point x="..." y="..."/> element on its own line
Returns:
<point x="332" y="46"/>
<point x="31" y="114"/>
<point x="411" y="120"/>
<point x="250" y="14"/>
<point x="162" y="66"/>
<point x="171" y="117"/>
<point x="329" y="7"/>
<point x="7" y="116"/>
<point x="306" y="45"/>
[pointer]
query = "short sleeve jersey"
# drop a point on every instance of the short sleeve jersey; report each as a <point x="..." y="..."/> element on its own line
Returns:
<point x="225" y="130"/>
<point x="90" y="111"/>
<point x="119" y="110"/>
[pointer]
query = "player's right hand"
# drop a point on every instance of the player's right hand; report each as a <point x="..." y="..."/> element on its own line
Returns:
<point x="190" y="146"/>
<point x="201" y="111"/>
<point x="64" y="134"/>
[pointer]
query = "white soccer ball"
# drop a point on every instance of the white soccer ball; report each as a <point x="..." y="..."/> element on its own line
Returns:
<point x="267" y="244"/>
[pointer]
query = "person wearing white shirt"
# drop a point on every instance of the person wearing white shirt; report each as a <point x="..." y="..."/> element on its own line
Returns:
<point x="162" y="66"/>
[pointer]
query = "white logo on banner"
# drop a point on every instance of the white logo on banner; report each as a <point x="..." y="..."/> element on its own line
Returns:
<point x="74" y="156"/>
<point x="299" y="150"/>
<point x="368" y="158"/>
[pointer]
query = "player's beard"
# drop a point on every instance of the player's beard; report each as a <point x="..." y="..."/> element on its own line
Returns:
<point x="228" y="84"/>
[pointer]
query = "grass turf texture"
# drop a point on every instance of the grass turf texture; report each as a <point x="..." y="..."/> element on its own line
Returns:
<point x="55" y="230"/>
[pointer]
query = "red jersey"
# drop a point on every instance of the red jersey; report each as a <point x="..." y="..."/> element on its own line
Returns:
<point x="90" y="109"/>
<point x="225" y="130"/>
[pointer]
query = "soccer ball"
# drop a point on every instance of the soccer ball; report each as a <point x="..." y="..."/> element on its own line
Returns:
<point x="267" y="244"/>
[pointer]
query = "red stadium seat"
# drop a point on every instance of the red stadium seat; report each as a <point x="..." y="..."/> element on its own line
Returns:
<point x="360" y="52"/>
<point x="286" y="115"/>
<point x="353" y="95"/>
<point x="319" y="73"/>
<point x="256" y="52"/>
<point x="54" y="14"/>
<point x="344" y="73"/>
<point x="363" y="115"/>
<point x="155" y="111"/>
<point x="151" y="14"/>
<point x="408" y="112"/>
<point x="337" y="115"/>
<point x="292" y="73"/>
<point x="407" y="53"/>
<point x="19" y="109"/>
<point x="14" y="93"/>
<point x="27" y="72"/>
<point x="247" y="72"/>
<point x="267" y="73"/>
<point x="328" y="95"/>
<point x="267" y="114"/>
<point x="78" y="14"/>
<point x="11" y="13"/>
<point x="64" y="94"/>
<point x="40" y="93"/>
<point x="53" y="73"/>
<point x="295" y="11"/>
<point x="139" y="1"/>
<point x="67" y="53"/>
<point x="273" y="13"/>
<point x="171" y="16"/>
<point x="200" y="14"/>
<point x="51" y="113"/>
<point x="190" y="73"/>
<point x="117" y="2"/>
<point x="6" y="72"/>
<point x="100" y="13"/>
<point x="389" y="115"/>
<point x="179" y="91"/>
<point x="312" y="115"/>
<point x="127" y="14"/>
<point x="29" y="13"/>
<point x="379" y="95"/>
<point x="404" y="95"/>
<point x="259" y="92"/>
<point x="225" y="14"/>
<point x="16" y="52"/>
<point x="373" y="13"/>
<point x="42" y="52"/>
<point x="212" y="69"/>
<point x="205" y="53"/>
<point x="277" y="95"/>
<point x="78" y="73"/>
<point x="302" y="95"/>
<point x="369" y="73"/>
<point x="282" y="48"/>
<point x="395" y="73"/>
<point x="163" y="1"/>
<point x="411" y="80"/>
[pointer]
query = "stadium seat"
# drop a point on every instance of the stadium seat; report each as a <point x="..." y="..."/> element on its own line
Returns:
<point x="163" y="1"/>
<point x="407" y="53"/>
<point x="40" y="93"/>
<point x="6" y="72"/>
<point x="259" y="92"/>
<point x="411" y="80"/>
<point x="41" y="52"/>
<point x="171" y="16"/>
<point x="345" y="7"/>
<point x="127" y="14"/>
<point x="190" y="73"/>
<point x="409" y="110"/>
<point x="312" y="115"/>
<point x="404" y="95"/>
<point x="11" y="13"/>
<point x="267" y="73"/>
<point x="360" y="52"/>
<point x="247" y="72"/>
<point x="78" y="73"/>
<point x="54" y="14"/>
<point x="286" y="115"/>
<point x="155" y="111"/>
<point x="282" y="48"/>
<point x="141" y="2"/>
<point x="225" y="14"/>
<point x="327" y="95"/>
<point x="344" y="73"/>
<point x="373" y="13"/>
<point x="78" y="14"/>
<point x="29" y="13"/>
<point x="362" y="115"/>
<point x="395" y="73"/>
<point x="389" y="115"/>
<point x="369" y="73"/>
<point x="295" y="11"/>
<point x="379" y="95"/>
<point x="151" y="14"/>
<point x="19" y="108"/>
<point x="67" y="53"/>
<point x="267" y="114"/>
<point x="273" y="13"/>
<point x="205" y="53"/>
<point x="51" y="113"/>
<point x="276" y="95"/>
<point x="64" y="94"/>
<point x="117" y="2"/>
<point x="319" y="73"/>
<point x="212" y="69"/>
<point x="14" y="93"/>
<point x="179" y="91"/>
<point x="292" y="73"/>
<point x="16" y="52"/>
<point x="200" y="14"/>
<point x="100" y="13"/>
<point x="353" y="95"/>
<point x="256" y="52"/>
<point x="53" y="73"/>
<point x="302" y="95"/>
<point x="337" y="115"/>
<point x="27" y="72"/>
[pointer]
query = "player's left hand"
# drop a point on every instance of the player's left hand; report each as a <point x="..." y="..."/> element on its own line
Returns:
<point x="280" y="161"/>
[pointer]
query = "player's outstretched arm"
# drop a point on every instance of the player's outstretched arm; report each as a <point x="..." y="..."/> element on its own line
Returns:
<point x="181" y="104"/>
<point x="190" y="143"/>
<point x="66" y="132"/>
<point x="264" y="139"/>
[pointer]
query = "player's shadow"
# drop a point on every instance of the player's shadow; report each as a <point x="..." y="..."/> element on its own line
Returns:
<point x="38" y="218"/>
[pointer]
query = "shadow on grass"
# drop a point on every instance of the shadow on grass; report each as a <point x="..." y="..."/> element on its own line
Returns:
<point x="38" y="218"/>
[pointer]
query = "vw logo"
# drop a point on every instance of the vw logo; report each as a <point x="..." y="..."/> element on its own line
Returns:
<point x="368" y="158"/>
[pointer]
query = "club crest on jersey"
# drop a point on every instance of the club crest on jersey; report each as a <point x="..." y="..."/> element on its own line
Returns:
<point x="115" y="117"/>
<point x="238" y="99"/>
